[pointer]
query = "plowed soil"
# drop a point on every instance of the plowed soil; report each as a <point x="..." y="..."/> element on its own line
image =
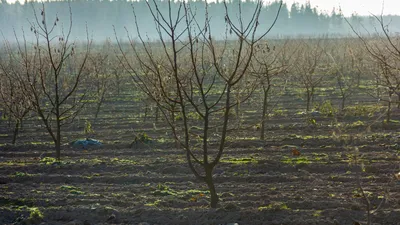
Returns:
<point x="259" y="182"/>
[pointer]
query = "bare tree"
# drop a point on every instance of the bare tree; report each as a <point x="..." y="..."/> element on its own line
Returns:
<point x="40" y="68"/>
<point x="384" y="49"/>
<point x="307" y="69"/>
<point x="189" y="73"/>
<point x="269" y="62"/>
<point x="12" y="96"/>
<point x="99" y="65"/>
<point x="346" y="65"/>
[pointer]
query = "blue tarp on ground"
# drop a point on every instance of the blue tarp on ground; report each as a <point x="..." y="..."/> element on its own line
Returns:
<point x="86" y="143"/>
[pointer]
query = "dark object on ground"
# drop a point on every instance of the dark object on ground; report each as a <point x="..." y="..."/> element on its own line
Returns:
<point x="86" y="143"/>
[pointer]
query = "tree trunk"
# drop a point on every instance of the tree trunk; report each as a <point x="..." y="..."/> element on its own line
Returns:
<point x="398" y="101"/>
<point x="308" y="101"/>
<point x="211" y="187"/>
<point x="97" y="111"/>
<point x="16" y="130"/>
<point x="99" y="104"/>
<point x="264" y="114"/>
<point x="312" y="96"/>
<point x="145" y="113"/>
<point x="157" y="114"/>
<point x="58" y="140"/>
<point x="389" y="109"/>
<point x="343" y="102"/>
<point x="237" y="111"/>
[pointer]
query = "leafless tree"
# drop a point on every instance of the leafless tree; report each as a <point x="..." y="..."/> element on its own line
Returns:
<point x="346" y="65"/>
<point x="40" y="68"/>
<point x="307" y="68"/>
<point x="12" y="96"/>
<point x="269" y="62"/>
<point x="384" y="48"/>
<point x="99" y="65"/>
<point x="190" y="74"/>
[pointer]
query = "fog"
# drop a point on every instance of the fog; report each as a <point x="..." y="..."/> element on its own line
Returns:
<point x="111" y="19"/>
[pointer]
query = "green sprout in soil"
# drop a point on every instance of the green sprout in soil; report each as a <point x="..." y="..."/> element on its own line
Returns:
<point x="22" y="174"/>
<point x="123" y="161"/>
<point x="154" y="204"/>
<point x="239" y="160"/>
<point x="71" y="189"/>
<point x="317" y="213"/>
<point x="275" y="206"/>
<point x="48" y="160"/>
<point x="35" y="216"/>
<point x="296" y="161"/>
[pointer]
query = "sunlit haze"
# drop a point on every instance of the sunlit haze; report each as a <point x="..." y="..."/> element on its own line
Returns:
<point x="361" y="7"/>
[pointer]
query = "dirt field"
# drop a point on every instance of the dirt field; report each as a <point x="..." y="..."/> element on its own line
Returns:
<point x="259" y="182"/>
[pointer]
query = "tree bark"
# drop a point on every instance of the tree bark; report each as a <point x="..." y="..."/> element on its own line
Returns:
<point x="58" y="140"/>
<point x="211" y="187"/>
<point x="16" y="130"/>
<point x="389" y="109"/>
<point x="264" y="113"/>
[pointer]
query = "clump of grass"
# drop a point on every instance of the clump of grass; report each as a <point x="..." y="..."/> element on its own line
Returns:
<point x="274" y="206"/>
<point x="48" y="160"/>
<point x="296" y="161"/>
<point x="239" y="160"/>
<point x="71" y="189"/>
<point x="35" y="216"/>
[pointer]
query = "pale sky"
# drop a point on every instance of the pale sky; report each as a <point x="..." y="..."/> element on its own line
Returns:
<point x="362" y="7"/>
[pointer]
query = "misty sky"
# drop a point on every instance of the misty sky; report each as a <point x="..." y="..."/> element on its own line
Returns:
<point x="362" y="7"/>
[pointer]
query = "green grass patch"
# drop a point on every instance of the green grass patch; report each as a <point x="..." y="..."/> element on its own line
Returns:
<point x="296" y="160"/>
<point x="239" y="160"/>
<point x="71" y="189"/>
<point x="275" y="206"/>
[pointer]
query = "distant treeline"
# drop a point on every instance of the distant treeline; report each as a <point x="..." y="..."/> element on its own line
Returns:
<point x="103" y="16"/>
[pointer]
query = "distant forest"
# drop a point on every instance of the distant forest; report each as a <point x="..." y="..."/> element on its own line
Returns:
<point x="101" y="16"/>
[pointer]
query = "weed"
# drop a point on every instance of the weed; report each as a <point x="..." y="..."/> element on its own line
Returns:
<point x="194" y="116"/>
<point x="87" y="130"/>
<point x="356" y="124"/>
<point x="35" y="216"/>
<point x="239" y="160"/>
<point x="48" y="160"/>
<point x="22" y="174"/>
<point x="275" y="206"/>
<point x="154" y="204"/>
<point x="296" y="161"/>
<point x="317" y="213"/>
<point x="280" y="112"/>
<point x="71" y="189"/>
<point x="141" y="138"/>
<point x="327" y="109"/>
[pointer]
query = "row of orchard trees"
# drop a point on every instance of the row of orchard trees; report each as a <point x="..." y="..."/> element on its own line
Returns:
<point x="186" y="72"/>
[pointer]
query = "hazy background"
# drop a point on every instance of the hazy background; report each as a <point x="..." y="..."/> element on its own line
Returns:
<point x="304" y="18"/>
